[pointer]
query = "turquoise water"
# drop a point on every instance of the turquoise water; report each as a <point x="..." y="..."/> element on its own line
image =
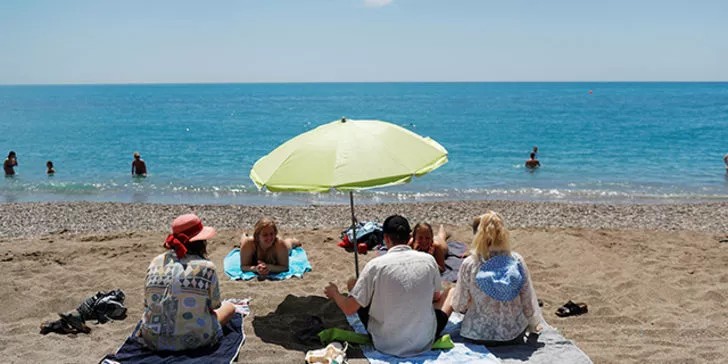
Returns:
<point x="623" y="142"/>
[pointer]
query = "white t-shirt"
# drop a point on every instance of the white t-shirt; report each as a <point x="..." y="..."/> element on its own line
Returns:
<point x="399" y="287"/>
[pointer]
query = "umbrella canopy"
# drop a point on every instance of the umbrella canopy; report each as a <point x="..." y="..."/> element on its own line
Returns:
<point x="348" y="155"/>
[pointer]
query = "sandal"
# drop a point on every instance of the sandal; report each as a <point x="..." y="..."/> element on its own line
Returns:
<point x="572" y="309"/>
<point x="74" y="320"/>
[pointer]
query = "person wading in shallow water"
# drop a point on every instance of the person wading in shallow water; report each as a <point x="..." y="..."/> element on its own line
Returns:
<point x="10" y="163"/>
<point x="138" y="167"/>
<point x="533" y="162"/>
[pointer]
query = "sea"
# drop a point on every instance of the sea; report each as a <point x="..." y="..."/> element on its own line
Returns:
<point x="619" y="143"/>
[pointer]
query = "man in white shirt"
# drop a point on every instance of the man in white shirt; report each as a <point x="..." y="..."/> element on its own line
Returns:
<point x="394" y="295"/>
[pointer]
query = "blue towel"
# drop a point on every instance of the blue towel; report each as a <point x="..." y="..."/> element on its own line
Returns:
<point x="227" y="350"/>
<point x="297" y="265"/>
<point x="461" y="353"/>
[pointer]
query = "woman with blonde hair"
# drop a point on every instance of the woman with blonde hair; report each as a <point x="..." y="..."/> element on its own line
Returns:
<point x="494" y="288"/>
<point x="264" y="252"/>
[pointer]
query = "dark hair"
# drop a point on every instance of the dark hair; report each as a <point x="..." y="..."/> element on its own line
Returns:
<point x="420" y="225"/>
<point x="11" y="154"/>
<point x="533" y="155"/>
<point x="198" y="247"/>
<point x="49" y="164"/>
<point x="397" y="228"/>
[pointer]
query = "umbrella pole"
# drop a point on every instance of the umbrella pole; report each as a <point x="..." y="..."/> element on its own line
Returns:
<point x="353" y="229"/>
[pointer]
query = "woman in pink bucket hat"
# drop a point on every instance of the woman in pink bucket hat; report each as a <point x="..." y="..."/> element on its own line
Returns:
<point x="182" y="307"/>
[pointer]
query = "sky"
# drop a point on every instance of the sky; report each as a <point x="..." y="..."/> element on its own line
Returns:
<point x="131" y="41"/>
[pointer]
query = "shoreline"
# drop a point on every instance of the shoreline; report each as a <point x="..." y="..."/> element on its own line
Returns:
<point x="33" y="219"/>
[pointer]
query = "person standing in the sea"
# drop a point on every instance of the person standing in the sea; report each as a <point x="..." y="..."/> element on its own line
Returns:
<point x="725" y="160"/>
<point x="138" y="167"/>
<point x="533" y="162"/>
<point x="10" y="163"/>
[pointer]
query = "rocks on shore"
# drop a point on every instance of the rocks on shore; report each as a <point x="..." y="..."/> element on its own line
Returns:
<point x="36" y="219"/>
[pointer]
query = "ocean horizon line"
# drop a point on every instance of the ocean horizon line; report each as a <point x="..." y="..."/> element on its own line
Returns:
<point x="202" y="83"/>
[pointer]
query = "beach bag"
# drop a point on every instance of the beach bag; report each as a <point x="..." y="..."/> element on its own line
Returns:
<point x="333" y="353"/>
<point x="104" y="306"/>
<point x="370" y="233"/>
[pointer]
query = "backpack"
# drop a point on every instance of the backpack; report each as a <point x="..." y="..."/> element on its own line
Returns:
<point x="370" y="233"/>
<point x="104" y="306"/>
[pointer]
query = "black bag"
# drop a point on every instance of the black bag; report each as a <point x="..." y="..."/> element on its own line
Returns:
<point x="104" y="306"/>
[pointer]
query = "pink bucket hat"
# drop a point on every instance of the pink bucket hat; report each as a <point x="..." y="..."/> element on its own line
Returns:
<point x="185" y="229"/>
<point x="191" y="226"/>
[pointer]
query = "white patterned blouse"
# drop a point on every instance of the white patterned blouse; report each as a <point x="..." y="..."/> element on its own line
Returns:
<point x="488" y="319"/>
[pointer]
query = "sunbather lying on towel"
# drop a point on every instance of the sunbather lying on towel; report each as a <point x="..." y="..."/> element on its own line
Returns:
<point x="265" y="252"/>
<point x="182" y="308"/>
<point x="424" y="240"/>
<point x="494" y="288"/>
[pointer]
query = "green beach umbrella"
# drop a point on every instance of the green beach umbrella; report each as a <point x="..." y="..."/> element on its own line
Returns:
<point x="348" y="155"/>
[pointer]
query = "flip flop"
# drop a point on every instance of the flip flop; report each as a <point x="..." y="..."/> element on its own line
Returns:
<point x="74" y="320"/>
<point x="572" y="309"/>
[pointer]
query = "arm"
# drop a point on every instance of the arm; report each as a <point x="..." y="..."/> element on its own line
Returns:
<point x="247" y="249"/>
<point x="348" y="305"/>
<point x="214" y="290"/>
<point x="528" y="299"/>
<point x="461" y="296"/>
<point x="132" y="168"/>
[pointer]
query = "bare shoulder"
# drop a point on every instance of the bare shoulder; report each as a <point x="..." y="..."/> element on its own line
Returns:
<point x="247" y="242"/>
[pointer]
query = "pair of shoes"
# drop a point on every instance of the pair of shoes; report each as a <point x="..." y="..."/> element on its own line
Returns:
<point x="572" y="309"/>
<point x="333" y="353"/>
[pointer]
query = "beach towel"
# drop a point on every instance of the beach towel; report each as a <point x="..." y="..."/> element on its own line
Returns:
<point x="550" y="347"/>
<point x="460" y="353"/>
<point x="298" y="264"/>
<point x="134" y="352"/>
<point x="337" y="334"/>
<point x="453" y="260"/>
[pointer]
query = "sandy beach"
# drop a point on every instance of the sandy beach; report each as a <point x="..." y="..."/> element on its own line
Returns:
<point x="654" y="276"/>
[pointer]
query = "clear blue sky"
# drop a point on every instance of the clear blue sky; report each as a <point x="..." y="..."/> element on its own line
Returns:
<point x="151" y="41"/>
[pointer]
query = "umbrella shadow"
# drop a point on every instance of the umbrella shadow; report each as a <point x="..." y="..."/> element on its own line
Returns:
<point x="297" y="314"/>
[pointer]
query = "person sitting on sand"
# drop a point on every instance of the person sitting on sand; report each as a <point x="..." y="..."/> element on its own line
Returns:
<point x="394" y="295"/>
<point x="10" y="163"/>
<point x="138" y="166"/>
<point x="533" y="162"/>
<point x="265" y="252"/>
<point x="423" y="240"/>
<point x="182" y="308"/>
<point x="494" y="289"/>
<point x="49" y="168"/>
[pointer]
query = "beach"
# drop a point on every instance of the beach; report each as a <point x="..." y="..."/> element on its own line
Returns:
<point x="653" y="276"/>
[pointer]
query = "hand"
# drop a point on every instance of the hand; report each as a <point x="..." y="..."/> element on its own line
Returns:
<point x="350" y="284"/>
<point x="331" y="290"/>
<point x="535" y="330"/>
<point x="262" y="268"/>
